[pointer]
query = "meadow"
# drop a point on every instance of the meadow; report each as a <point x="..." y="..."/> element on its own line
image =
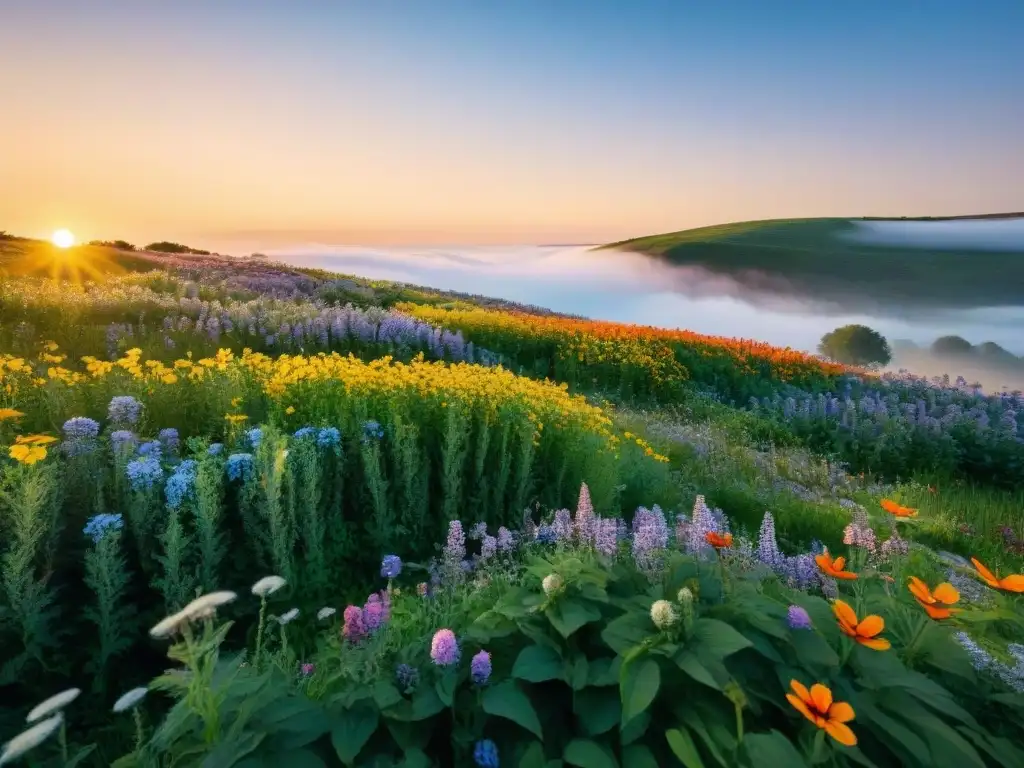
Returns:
<point x="252" y="515"/>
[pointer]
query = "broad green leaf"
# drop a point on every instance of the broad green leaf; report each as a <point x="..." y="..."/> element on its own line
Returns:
<point x="901" y="739"/>
<point x="626" y="631"/>
<point x="690" y="664"/>
<point x="445" y="687"/>
<point x="538" y="663"/>
<point x="635" y="728"/>
<point x="578" y="676"/>
<point x="1002" y="750"/>
<point x="638" y="756"/>
<point x="588" y="754"/>
<point x="386" y="694"/>
<point x="681" y="743"/>
<point x="718" y="638"/>
<point x="568" y="615"/>
<point x="533" y="757"/>
<point x="598" y="710"/>
<point x="639" y="687"/>
<point x="811" y="649"/>
<point x="425" y="703"/>
<point x="506" y="700"/>
<point x="772" y="749"/>
<point x="231" y="751"/>
<point x="410" y="735"/>
<point x="415" y="758"/>
<point x="948" y="748"/>
<point x="354" y="729"/>
<point x="716" y="737"/>
<point x="604" y="671"/>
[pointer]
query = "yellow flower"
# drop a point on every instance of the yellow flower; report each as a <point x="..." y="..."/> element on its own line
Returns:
<point x="235" y="418"/>
<point x="34" y="439"/>
<point x="10" y="413"/>
<point x="289" y="410"/>
<point x="27" y="454"/>
<point x="169" y="378"/>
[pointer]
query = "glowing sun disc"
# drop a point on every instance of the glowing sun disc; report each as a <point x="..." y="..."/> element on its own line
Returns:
<point x="62" y="238"/>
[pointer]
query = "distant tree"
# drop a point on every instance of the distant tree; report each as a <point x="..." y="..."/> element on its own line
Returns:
<point x="121" y="245"/>
<point x="165" y="246"/>
<point x="952" y="345"/>
<point x="856" y="345"/>
<point x="997" y="355"/>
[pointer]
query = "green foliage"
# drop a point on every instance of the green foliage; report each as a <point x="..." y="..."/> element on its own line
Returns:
<point x="856" y="345"/>
<point x="165" y="246"/>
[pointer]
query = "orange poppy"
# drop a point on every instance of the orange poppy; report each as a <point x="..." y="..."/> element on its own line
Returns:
<point x="864" y="632"/>
<point x="1012" y="583"/>
<point x="936" y="603"/>
<point x="719" y="541"/>
<point x="817" y="706"/>
<point x="896" y="510"/>
<point x="833" y="567"/>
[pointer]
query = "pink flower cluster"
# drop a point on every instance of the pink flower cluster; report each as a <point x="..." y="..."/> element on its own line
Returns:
<point x="363" y="622"/>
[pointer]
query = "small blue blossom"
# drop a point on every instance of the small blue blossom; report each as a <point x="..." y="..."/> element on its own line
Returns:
<point x="124" y="410"/>
<point x="546" y="534"/>
<point x="144" y="473"/>
<point x="408" y="677"/>
<point x="80" y="428"/>
<point x="239" y="466"/>
<point x="169" y="439"/>
<point x="215" y="449"/>
<point x="254" y="436"/>
<point x="485" y="754"/>
<point x="391" y="566"/>
<point x="122" y="441"/>
<point x="372" y="430"/>
<point x="99" y="525"/>
<point x="305" y="432"/>
<point x="152" y="449"/>
<point x="328" y="437"/>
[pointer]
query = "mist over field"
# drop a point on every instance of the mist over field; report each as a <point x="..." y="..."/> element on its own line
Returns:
<point x="633" y="288"/>
<point x="978" y="234"/>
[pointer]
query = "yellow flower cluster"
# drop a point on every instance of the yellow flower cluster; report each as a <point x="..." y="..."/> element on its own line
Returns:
<point x="28" y="449"/>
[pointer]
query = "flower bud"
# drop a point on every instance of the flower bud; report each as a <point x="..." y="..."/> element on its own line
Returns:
<point x="663" y="614"/>
<point x="685" y="597"/>
<point x="552" y="584"/>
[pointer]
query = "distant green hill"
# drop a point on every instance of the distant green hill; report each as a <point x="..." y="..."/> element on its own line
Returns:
<point x="814" y="258"/>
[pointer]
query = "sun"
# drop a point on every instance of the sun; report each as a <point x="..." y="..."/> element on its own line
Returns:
<point x="63" y="238"/>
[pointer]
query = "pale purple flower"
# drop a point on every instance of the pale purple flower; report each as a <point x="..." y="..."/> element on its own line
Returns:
<point x="308" y="669"/>
<point x="584" y="515"/>
<point x="702" y="522"/>
<point x="480" y="668"/>
<point x="562" y="525"/>
<point x="488" y="547"/>
<point x="767" y="546"/>
<point x="606" y="540"/>
<point x="455" y="546"/>
<point x="477" y="532"/>
<point x="444" y="648"/>
<point x="650" y="537"/>
<point x="506" y="542"/>
<point x="353" y="629"/>
<point x="798" y="618"/>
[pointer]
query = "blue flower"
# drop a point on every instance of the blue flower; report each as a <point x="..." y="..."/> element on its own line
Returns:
<point x="407" y="677"/>
<point x="305" y="432"/>
<point x="152" y="449"/>
<point x="254" y="436"/>
<point x="239" y="466"/>
<point x="179" y="486"/>
<point x="391" y="566"/>
<point x="372" y="430"/>
<point x="99" y="525"/>
<point x="215" y="449"/>
<point x="80" y="428"/>
<point x="485" y="754"/>
<point x="124" y="409"/>
<point x="122" y="440"/>
<point x="169" y="439"/>
<point x="144" y="473"/>
<point x="546" y="534"/>
<point x="328" y="437"/>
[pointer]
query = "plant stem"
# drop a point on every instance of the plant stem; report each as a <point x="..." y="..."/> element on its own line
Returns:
<point x="138" y="728"/>
<point x="63" y="738"/>
<point x="259" y="633"/>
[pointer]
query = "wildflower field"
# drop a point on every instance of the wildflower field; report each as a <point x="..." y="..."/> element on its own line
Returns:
<point x="252" y="516"/>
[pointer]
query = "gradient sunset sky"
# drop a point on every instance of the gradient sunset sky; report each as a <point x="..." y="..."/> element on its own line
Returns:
<point x="504" y="121"/>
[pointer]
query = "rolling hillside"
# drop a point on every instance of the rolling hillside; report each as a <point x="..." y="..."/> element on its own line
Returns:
<point x="817" y="258"/>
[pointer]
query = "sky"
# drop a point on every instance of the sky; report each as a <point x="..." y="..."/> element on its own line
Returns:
<point x="527" y="121"/>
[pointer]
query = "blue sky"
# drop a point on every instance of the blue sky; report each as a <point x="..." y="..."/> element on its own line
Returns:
<point x="504" y="121"/>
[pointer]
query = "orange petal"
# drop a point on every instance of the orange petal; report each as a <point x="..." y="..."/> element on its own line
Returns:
<point x="875" y="644"/>
<point x="801" y="690"/>
<point x="986" y="574"/>
<point x="824" y="561"/>
<point x="844" y="613"/>
<point x="871" y="626"/>
<point x="936" y="612"/>
<point x="838" y="563"/>
<point x="840" y="712"/>
<point x="822" y="697"/>
<point x="1013" y="583"/>
<point x="920" y="590"/>
<point x="946" y="593"/>
<point x="800" y="707"/>
<point x="844" y="575"/>
<point x="841" y="733"/>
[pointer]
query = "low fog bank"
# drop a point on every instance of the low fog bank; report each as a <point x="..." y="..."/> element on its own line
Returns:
<point x="633" y="288"/>
<point x="993" y="378"/>
<point x="975" y="234"/>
